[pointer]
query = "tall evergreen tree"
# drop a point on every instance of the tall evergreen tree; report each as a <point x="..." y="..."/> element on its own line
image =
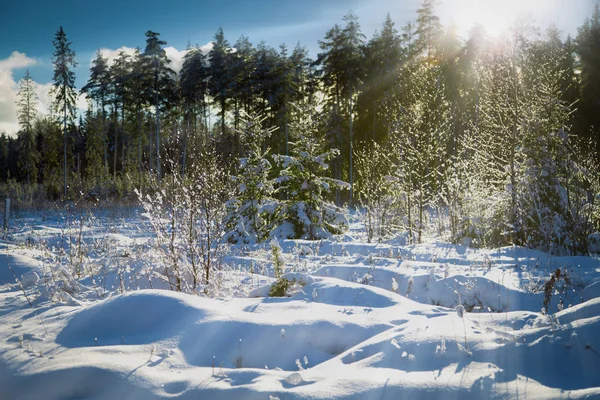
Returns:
<point x="220" y="74"/>
<point x="193" y="84"/>
<point x="342" y="72"/>
<point x="64" y="82"/>
<point x="588" y="50"/>
<point x="26" y="114"/>
<point x="97" y="89"/>
<point x="428" y="31"/>
<point x="383" y="54"/>
<point x="157" y="62"/>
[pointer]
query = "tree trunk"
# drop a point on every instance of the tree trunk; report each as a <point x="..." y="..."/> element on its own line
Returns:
<point x="65" y="147"/>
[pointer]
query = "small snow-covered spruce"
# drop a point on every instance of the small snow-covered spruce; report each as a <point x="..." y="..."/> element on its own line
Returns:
<point x="281" y="287"/>
<point x="394" y="285"/>
<point x="302" y="186"/>
<point x="277" y="255"/>
<point x="252" y="213"/>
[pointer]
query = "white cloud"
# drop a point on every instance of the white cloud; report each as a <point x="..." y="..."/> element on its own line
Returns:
<point x="16" y="60"/>
<point x="42" y="90"/>
<point x="9" y="88"/>
<point x="176" y="58"/>
<point x="82" y="102"/>
<point x="112" y="55"/>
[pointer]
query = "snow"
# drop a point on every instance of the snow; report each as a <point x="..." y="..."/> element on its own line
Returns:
<point x="364" y="321"/>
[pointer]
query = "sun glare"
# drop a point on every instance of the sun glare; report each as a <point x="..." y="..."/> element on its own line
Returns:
<point x="496" y="16"/>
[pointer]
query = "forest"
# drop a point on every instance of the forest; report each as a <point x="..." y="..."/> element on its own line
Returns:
<point x="485" y="140"/>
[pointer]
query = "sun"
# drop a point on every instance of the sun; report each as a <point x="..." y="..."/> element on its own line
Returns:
<point x="496" y="16"/>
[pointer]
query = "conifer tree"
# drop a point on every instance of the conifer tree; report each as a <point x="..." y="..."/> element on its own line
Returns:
<point x="588" y="50"/>
<point x="252" y="212"/>
<point x="193" y="84"/>
<point x="157" y="62"/>
<point x="97" y="89"/>
<point x="303" y="186"/>
<point x="64" y="83"/>
<point x="26" y="114"/>
<point x="220" y="76"/>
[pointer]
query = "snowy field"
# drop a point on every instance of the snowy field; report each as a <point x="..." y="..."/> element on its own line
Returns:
<point x="364" y="321"/>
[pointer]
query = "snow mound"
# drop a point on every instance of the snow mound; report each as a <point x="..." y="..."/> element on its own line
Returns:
<point x="20" y="265"/>
<point x="591" y="291"/>
<point x="138" y="317"/>
<point x="589" y="309"/>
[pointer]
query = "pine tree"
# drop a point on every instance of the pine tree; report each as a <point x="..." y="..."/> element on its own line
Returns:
<point x="252" y="212"/>
<point x="243" y="84"/>
<point x="138" y="85"/>
<point x="428" y="31"/>
<point x="220" y="76"/>
<point x="26" y="114"/>
<point x="64" y="82"/>
<point x="303" y="186"/>
<point x="383" y="54"/>
<point x="97" y="89"/>
<point x="157" y="62"/>
<point x="94" y="147"/>
<point x="342" y="74"/>
<point x="588" y="50"/>
<point x="193" y="83"/>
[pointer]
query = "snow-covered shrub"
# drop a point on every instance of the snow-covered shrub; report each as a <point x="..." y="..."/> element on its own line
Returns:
<point x="302" y="186"/>
<point x="164" y="208"/>
<point x="187" y="214"/>
<point x="207" y="187"/>
<point x="252" y="212"/>
<point x="374" y="191"/>
<point x="552" y="204"/>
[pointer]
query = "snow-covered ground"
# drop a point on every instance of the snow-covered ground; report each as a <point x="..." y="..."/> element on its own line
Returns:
<point x="369" y="321"/>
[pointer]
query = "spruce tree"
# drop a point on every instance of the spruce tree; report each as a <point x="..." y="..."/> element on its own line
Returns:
<point x="588" y="51"/>
<point x="97" y="89"/>
<point x="252" y="213"/>
<point x="64" y="83"/>
<point x="193" y="83"/>
<point x="157" y="63"/>
<point x="26" y="114"/>
<point x="302" y="185"/>
<point x="220" y="77"/>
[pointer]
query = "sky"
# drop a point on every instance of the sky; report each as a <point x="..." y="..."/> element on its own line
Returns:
<point x="109" y="25"/>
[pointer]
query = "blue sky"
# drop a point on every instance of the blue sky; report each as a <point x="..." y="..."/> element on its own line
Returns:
<point x="110" y="24"/>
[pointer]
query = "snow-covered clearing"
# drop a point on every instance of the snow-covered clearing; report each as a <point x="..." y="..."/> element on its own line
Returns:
<point x="370" y="321"/>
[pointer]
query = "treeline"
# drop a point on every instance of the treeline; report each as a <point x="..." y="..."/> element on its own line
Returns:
<point x="498" y="136"/>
